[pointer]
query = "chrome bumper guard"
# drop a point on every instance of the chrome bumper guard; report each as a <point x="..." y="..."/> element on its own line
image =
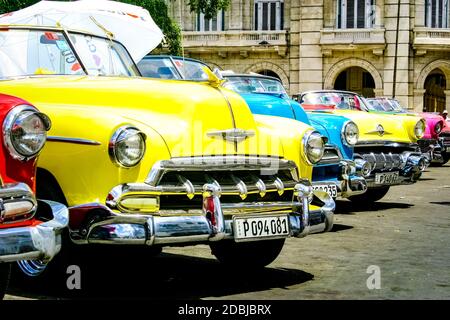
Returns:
<point x="432" y="150"/>
<point x="409" y="165"/>
<point x="41" y="241"/>
<point x="212" y="222"/>
<point x="350" y="182"/>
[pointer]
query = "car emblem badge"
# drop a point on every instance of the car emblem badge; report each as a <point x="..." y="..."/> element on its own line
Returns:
<point x="380" y="130"/>
<point x="236" y="135"/>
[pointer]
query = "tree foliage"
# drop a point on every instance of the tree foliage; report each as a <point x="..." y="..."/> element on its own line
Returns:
<point x="208" y="7"/>
<point x="157" y="8"/>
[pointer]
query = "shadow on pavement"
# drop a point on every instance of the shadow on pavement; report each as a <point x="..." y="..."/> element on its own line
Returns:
<point x="442" y="203"/>
<point x="135" y="275"/>
<point x="348" y="207"/>
<point x="340" y="227"/>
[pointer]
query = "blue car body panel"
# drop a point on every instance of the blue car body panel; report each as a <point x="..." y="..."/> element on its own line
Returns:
<point x="328" y="125"/>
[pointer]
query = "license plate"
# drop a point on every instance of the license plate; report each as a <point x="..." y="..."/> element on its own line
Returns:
<point x="386" y="178"/>
<point x="331" y="189"/>
<point x="260" y="227"/>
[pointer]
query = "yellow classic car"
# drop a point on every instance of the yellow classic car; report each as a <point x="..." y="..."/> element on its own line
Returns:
<point x="161" y="162"/>
<point x="387" y="143"/>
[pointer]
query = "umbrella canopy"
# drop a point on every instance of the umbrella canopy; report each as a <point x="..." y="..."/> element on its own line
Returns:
<point x="131" y="25"/>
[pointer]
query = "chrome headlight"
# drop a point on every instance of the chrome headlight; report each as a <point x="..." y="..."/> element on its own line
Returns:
<point x="438" y="128"/>
<point x="314" y="147"/>
<point x="350" y="133"/>
<point x="25" y="132"/>
<point x="419" y="129"/>
<point x="127" y="146"/>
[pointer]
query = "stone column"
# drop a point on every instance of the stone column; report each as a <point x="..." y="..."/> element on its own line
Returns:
<point x="294" y="45"/>
<point x="311" y="61"/>
<point x="378" y="92"/>
<point x="403" y="50"/>
<point x="418" y="100"/>
<point x="447" y="100"/>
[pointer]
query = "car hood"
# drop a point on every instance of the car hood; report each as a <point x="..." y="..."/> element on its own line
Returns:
<point x="190" y="117"/>
<point x="394" y="128"/>
<point x="331" y="126"/>
<point x="275" y="105"/>
<point x="430" y="120"/>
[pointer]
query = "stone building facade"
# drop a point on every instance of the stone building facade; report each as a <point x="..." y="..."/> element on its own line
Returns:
<point x="357" y="45"/>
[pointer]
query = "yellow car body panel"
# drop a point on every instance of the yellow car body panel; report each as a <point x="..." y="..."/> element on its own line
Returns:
<point x="175" y="127"/>
<point x="396" y="129"/>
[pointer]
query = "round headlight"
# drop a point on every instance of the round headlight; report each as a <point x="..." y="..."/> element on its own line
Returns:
<point x="419" y="129"/>
<point x="438" y="128"/>
<point x="314" y="147"/>
<point x="127" y="146"/>
<point x="25" y="132"/>
<point x="350" y="133"/>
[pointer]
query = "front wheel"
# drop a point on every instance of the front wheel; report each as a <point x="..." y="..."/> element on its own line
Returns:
<point x="370" y="196"/>
<point x="5" y="273"/>
<point x="445" y="159"/>
<point x="247" y="255"/>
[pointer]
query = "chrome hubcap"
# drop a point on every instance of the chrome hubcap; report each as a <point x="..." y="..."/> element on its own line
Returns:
<point x="32" y="268"/>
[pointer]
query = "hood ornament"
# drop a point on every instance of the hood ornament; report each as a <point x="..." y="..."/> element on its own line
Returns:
<point x="379" y="130"/>
<point x="236" y="135"/>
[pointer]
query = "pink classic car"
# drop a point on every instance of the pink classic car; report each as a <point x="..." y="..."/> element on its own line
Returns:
<point x="435" y="143"/>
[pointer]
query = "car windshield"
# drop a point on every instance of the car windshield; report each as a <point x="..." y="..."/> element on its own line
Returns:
<point x="242" y="84"/>
<point x="382" y="104"/>
<point x="375" y="105"/>
<point x="172" y="68"/>
<point x="341" y="100"/>
<point x="27" y="52"/>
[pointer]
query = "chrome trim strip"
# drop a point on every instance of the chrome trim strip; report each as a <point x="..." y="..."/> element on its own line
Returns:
<point x="381" y="143"/>
<point x="73" y="140"/>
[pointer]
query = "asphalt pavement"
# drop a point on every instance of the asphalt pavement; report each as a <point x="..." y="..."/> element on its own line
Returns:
<point x="398" y="248"/>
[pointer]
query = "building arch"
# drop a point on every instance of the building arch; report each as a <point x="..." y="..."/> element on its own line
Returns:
<point x="342" y="65"/>
<point x="258" y="67"/>
<point x="441" y="64"/>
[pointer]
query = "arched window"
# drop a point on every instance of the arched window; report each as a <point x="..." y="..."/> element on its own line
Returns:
<point x="355" y="14"/>
<point x="437" y="13"/>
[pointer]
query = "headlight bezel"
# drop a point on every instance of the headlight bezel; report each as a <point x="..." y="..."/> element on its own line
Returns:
<point x="116" y="139"/>
<point x="423" y="125"/>
<point x="306" y="139"/>
<point x="344" y="133"/>
<point x="440" y="125"/>
<point x="8" y="124"/>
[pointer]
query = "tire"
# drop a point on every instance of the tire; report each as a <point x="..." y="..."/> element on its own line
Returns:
<point x="247" y="255"/>
<point x="370" y="196"/>
<point x="444" y="161"/>
<point x="5" y="273"/>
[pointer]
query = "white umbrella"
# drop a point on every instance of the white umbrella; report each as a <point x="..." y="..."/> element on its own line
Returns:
<point x="131" y="25"/>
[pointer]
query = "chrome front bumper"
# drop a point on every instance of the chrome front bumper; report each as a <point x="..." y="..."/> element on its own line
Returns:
<point x="41" y="241"/>
<point x="348" y="183"/>
<point x="408" y="164"/>
<point x="110" y="226"/>
<point x="432" y="150"/>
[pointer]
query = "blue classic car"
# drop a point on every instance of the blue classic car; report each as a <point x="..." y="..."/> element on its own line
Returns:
<point x="336" y="173"/>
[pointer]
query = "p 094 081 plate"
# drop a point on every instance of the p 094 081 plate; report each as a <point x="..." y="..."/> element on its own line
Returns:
<point x="251" y="228"/>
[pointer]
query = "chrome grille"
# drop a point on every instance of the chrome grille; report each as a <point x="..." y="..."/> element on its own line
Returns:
<point x="383" y="161"/>
<point x="248" y="179"/>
